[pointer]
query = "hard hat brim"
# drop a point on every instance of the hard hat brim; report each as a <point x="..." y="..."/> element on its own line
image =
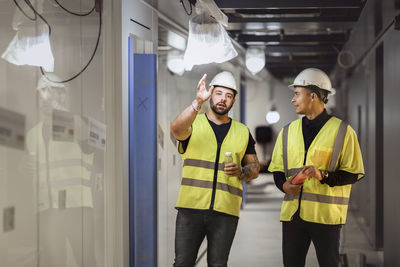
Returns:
<point x="217" y="85"/>
<point x="332" y="91"/>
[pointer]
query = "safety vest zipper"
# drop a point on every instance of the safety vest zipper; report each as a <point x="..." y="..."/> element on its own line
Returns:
<point x="301" y="190"/>
<point x="215" y="177"/>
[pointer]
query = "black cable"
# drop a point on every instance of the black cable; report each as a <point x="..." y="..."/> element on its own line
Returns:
<point x="90" y="60"/>
<point x="48" y="25"/>
<point x="73" y="13"/>
<point x="184" y="7"/>
<point x="34" y="12"/>
<point x="23" y="12"/>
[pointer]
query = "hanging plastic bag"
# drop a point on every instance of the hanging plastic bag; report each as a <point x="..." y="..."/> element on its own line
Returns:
<point x="52" y="95"/>
<point x="30" y="45"/>
<point x="211" y="8"/>
<point x="208" y="41"/>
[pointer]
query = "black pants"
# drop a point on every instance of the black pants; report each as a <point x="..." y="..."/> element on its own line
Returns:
<point x="297" y="237"/>
<point x="192" y="227"/>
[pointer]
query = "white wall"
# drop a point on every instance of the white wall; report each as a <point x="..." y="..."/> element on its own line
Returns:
<point x="261" y="94"/>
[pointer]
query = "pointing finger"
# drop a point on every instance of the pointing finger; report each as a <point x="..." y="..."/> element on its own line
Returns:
<point x="203" y="78"/>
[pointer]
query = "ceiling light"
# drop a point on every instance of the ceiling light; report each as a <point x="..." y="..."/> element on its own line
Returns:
<point x="175" y="62"/>
<point x="176" y="41"/>
<point x="255" y="59"/>
<point x="274" y="27"/>
<point x="254" y="26"/>
<point x="276" y="54"/>
<point x="272" y="116"/>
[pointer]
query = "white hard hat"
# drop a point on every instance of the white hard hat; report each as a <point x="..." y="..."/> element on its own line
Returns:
<point x="224" y="79"/>
<point x="313" y="76"/>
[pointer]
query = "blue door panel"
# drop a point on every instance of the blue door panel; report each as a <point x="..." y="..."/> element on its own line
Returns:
<point x="142" y="158"/>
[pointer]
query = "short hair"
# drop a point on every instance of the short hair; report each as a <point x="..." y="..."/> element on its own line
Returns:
<point x="321" y="93"/>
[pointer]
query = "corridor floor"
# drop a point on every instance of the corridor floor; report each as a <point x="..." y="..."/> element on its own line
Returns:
<point x="258" y="238"/>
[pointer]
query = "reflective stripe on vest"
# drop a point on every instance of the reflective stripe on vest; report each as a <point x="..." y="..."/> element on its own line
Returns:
<point x="199" y="159"/>
<point x="319" y="198"/>
<point x="202" y="164"/>
<point x="309" y="196"/>
<point x="208" y="184"/>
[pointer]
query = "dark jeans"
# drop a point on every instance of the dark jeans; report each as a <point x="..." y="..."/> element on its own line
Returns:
<point x="297" y="237"/>
<point x="192" y="227"/>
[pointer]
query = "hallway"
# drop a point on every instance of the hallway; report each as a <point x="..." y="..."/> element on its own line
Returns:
<point x="90" y="171"/>
<point x="258" y="238"/>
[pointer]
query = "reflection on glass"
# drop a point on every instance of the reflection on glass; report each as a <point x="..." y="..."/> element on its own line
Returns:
<point x="65" y="197"/>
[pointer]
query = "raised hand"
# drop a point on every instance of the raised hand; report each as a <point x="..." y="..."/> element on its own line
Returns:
<point x="202" y="93"/>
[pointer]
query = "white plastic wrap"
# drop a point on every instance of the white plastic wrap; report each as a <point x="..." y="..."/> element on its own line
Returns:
<point x="31" y="44"/>
<point x="213" y="10"/>
<point x="208" y="42"/>
<point x="52" y="95"/>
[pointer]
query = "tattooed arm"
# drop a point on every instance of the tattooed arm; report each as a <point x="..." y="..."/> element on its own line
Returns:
<point x="248" y="172"/>
<point x="251" y="167"/>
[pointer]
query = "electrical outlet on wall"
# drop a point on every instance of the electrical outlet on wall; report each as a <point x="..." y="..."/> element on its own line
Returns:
<point x="62" y="199"/>
<point x="8" y="219"/>
<point x="99" y="182"/>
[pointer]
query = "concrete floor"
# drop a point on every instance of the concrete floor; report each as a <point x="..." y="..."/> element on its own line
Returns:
<point x="258" y="238"/>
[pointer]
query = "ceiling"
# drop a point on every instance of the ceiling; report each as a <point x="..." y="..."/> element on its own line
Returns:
<point x="295" y="34"/>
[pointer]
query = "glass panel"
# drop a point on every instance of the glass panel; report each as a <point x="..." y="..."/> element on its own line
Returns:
<point x="51" y="188"/>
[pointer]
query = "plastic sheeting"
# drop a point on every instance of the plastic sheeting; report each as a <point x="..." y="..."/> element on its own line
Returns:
<point x="208" y="41"/>
<point x="31" y="43"/>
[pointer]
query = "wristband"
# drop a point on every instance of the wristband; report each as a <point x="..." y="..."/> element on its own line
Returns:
<point x="324" y="174"/>
<point x="196" y="109"/>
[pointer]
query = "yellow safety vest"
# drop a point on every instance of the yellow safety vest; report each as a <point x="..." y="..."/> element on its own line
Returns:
<point x="202" y="161"/>
<point x="334" y="148"/>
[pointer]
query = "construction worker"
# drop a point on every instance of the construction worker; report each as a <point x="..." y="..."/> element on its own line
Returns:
<point x="211" y="191"/>
<point x="324" y="151"/>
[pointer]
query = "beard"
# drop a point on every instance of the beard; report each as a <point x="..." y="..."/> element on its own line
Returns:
<point x="219" y="111"/>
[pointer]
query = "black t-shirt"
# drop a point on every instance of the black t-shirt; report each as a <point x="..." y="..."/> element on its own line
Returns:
<point x="220" y="131"/>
